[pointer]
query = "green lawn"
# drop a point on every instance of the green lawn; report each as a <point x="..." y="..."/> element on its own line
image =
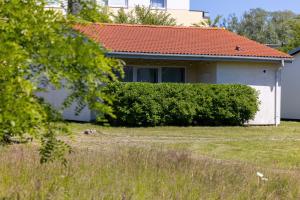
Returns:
<point x="160" y="163"/>
<point x="268" y="146"/>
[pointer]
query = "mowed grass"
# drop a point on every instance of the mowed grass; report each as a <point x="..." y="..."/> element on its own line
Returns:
<point x="268" y="146"/>
<point x="160" y="163"/>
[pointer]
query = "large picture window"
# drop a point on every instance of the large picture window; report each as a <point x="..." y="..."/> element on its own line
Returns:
<point x="154" y="74"/>
<point x="147" y="75"/>
<point x="128" y="74"/>
<point x="172" y="75"/>
<point x="158" y="3"/>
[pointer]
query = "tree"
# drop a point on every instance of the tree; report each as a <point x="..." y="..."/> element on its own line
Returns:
<point x="40" y="48"/>
<point x="262" y="26"/>
<point x="232" y="23"/>
<point x="123" y="18"/>
<point x="294" y="36"/>
<point x="89" y="10"/>
<point x="209" y="23"/>
<point x="144" y="15"/>
<point x="281" y="23"/>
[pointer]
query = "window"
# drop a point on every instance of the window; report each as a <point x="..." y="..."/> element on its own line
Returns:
<point x="154" y="75"/>
<point x="147" y="75"/>
<point x="206" y="15"/>
<point x="117" y="3"/>
<point x="158" y="3"/>
<point x="128" y="74"/>
<point x="173" y="75"/>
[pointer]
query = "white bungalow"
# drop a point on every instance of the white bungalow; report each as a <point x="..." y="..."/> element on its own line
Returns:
<point x="190" y="55"/>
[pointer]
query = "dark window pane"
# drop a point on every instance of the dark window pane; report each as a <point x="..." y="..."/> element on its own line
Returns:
<point x="173" y="75"/>
<point x="128" y="74"/>
<point x="147" y="75"/>
<point x="158" y="3"/>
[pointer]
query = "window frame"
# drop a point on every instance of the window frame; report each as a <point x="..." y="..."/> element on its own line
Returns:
<point x="159" y="8"/>
<point x="159" y="74"/>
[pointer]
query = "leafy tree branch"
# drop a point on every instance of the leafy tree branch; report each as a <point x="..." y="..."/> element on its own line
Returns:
<point x="39" y="49"/>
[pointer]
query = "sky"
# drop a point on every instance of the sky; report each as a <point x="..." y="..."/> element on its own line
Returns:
<point x="226" y="7"/>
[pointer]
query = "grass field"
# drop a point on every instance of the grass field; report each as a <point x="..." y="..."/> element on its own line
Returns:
<point x="160" y="163"/>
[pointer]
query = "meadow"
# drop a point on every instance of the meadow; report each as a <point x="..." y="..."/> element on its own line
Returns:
<point x="160" y="163"/>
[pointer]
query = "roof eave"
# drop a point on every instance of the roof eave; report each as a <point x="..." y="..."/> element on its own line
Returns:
<point x="294" y="51"/>
<point x="188" y="57"/>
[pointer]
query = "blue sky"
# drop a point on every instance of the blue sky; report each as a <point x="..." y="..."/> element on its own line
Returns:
<point x="226" y="7"/>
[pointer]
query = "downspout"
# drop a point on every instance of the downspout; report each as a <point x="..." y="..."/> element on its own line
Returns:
<point x="278" y="93"/>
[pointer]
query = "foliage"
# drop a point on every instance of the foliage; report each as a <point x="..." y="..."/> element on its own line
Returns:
<point x="122" y="17"/>
<point x="89" y="11"/>
<point x="144" y="15"/>
<point x="39" y="48"/>
<point x="209" y="22"/>
<point x="294" y="38"/>
<point x="146" y="104"/>
<point x="262" y="26"/>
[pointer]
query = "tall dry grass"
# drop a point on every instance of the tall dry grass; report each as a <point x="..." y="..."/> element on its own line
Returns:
<point x="136" y="173"/>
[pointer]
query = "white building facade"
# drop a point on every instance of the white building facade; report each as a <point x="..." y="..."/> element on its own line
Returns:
<point x="179" y="9"/>
<point x="264" y="77"/>
<point x="190" y="55"/>
<point x="291" y="88"/>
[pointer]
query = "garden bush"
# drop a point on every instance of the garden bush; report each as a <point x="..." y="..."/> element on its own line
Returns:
<point x="147" y="104"/>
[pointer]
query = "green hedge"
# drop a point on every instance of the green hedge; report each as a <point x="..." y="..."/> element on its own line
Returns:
<point x="146" y="104"/>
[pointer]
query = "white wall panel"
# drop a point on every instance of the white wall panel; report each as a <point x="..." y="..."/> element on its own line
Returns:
<point x="56" y="99"/>
<point x="262" y="77"/>
<point x="178" y="4"/>
<point x="291" y="89"/>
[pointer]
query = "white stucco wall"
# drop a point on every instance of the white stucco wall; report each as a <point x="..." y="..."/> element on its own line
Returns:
<point x="178" y="4"/>
<point x="291" y="89"/>
<point x="56" y="99"/>
<point x="133" y="3"/>
<point x="262" y="77"/>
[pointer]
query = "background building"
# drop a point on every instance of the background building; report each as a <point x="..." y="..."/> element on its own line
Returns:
<point x="60" y="5"/>
<point x="179" y="9"/>
<point x="291" y="88"/>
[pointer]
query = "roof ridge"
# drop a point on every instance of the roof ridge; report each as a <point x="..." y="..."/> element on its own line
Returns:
<point x="161" y="26"/>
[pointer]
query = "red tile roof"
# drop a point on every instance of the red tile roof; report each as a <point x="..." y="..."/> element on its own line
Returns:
<point x="175" y="40"/>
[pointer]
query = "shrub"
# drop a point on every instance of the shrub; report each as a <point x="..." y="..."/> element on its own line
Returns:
<point x="146" y="104"/>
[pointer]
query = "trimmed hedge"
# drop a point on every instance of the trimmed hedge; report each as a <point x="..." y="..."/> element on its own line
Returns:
<point x="147" y="104"/>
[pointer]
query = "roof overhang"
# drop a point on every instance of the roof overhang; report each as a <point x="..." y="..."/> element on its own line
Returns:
<point x="294" y="51"/>
<point x="182" y="57"/>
